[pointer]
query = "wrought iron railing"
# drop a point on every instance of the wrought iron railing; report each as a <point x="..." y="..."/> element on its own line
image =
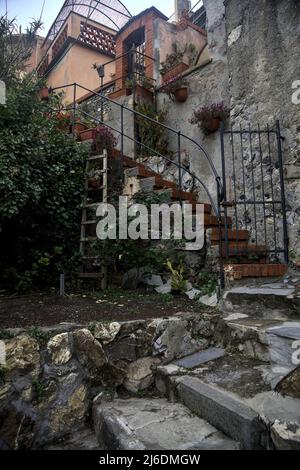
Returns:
<point x="177" y="135"/>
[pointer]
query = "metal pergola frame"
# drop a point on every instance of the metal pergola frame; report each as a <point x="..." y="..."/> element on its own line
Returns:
<point x="110" y="13"/>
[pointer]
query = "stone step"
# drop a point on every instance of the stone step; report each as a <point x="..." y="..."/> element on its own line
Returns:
<point x="155" y="424"/>
<point x="84" y="439"/>
<point x="222" y="410"/>
<point x="263" y="301"/>
<point x="235" y="394"/>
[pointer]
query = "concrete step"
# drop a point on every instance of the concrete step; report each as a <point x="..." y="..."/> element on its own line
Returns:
<point x="155" y="424"/>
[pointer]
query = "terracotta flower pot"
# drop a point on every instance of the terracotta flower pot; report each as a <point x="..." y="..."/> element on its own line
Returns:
<point x="144" y="93"/>
<point x="212" y="125"/>
<point x="181" y="95"/>
<point x="94" y="183"/>
<point x="79" y="127"/>
<point x="174" y="72"/>
<point x="87" y="134"/>
<point x="44" y="93"/>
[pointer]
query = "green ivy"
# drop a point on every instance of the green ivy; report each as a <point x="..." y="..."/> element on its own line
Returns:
<point x="41" y="185"/>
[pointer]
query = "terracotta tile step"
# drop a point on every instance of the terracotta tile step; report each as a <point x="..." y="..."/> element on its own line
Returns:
<point x="256" y="270"/>
<point x="232" y="234"/>
<point x="244" y="249"/>
<point x="212" y="221"/>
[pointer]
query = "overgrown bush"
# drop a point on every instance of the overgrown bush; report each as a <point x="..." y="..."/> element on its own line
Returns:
<point x="41" y="184"/>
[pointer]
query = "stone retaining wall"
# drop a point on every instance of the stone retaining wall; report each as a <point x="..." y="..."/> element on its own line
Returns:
<point x="52" y="375"/>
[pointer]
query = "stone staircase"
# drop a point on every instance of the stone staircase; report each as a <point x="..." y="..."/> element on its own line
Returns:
<point x="240" y="257"/>
<point x="223" y="397"/>
<point x="244" y="259"/>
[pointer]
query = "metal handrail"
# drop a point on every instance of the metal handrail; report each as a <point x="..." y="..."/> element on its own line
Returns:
<point x="153" y="121"/>
<point x="164" y="126"/>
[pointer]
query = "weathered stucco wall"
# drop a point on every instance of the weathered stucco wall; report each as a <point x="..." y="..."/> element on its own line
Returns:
<point x="255" y="54"/>
<point x="207" y="85"/>
<point x="264" y="60"/>
<point x="77" y="67"/>
<point x="165" y="34"/>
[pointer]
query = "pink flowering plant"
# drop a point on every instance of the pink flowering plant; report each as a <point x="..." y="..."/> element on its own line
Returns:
<point x="204" y="115"/>
<point x="104" y="138"/>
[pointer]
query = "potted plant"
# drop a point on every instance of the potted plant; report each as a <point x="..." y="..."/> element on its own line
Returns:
<point x="104" y="139"/>
<point x="95" y="179"/>
<point x="176" y="88"/>
<point x="208" y="118"/>
<point x="142" y="87"/>
<point x="63" y="121"/>
<point x="175" y="64"/>
<point x="79" y="127"/>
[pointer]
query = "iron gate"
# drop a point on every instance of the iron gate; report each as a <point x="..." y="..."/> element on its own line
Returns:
<point x="253" y="196"/>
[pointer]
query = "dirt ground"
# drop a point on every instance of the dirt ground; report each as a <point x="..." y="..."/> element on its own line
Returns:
<point x="46" y="309"/>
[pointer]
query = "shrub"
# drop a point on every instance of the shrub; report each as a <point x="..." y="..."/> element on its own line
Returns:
<point x="41" y="184"/>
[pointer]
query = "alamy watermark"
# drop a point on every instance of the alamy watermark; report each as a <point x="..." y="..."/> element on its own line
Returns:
<point x="296" y="93"/>
<point x="159" y="222"/>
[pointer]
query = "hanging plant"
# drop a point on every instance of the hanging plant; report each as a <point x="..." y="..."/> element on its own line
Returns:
<point x="176" y="88"/>
<point x="208" y="118"/>
<point x="104" y="139"/>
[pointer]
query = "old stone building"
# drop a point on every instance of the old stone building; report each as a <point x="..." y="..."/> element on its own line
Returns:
<point x="243" y="54"/>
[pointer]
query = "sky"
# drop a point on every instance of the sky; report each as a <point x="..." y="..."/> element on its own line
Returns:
<point x="24" y="10"/>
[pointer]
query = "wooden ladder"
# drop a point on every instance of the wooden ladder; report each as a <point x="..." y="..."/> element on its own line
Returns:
<point x="99" y="164"/>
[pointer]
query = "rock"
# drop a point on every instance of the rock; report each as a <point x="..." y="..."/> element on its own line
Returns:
<point x="165" y="288"/>
<point x="107" y="332"/>
<point x="22" y="356"/>
<point x="153" y="280"/>
<point x="236" y="316"/>
<point x="140" y="374"/>
<point x="133" y="278"/>
<point x="193" y="294"/>
<point x="16" y="430"/>
<point x="65" y="418"/>
<point x="209" y="301"/>
<point x="290" y="385"/>
<point x="89" y="351"/>
<point x="113" y="375"/>
<point x="4" y="392"/>
<point x="59" y="348"/>
<point x="175" y="341"/>
<point x="122" y="349"/>
<point x="281" y="340"/>
<point x="286" y="436"/>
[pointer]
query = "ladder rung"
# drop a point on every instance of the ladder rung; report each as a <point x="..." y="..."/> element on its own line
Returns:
<point x="97" y="157"/>
<point x="96" y="189"/>
<point x="88" y="239"/>
<point x="91" y="275"/>
<point x="90" y="206"/>
<point x="89" y="222"/>
<point x="98" y="171"/>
